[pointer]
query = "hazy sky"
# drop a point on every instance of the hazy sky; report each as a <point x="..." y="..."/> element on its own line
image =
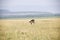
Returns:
<point x="31" y="5"/>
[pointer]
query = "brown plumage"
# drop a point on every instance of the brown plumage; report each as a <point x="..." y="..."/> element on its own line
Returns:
<point x="32" y="21"/>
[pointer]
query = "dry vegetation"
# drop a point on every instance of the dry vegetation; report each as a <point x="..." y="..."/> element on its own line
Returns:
<point x="21" y="29"/>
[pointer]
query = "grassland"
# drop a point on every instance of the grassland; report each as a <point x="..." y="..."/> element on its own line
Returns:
<point x="21" y="29"/>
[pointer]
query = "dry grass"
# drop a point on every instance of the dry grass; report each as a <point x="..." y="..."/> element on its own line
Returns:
<point x="21" y="29"/>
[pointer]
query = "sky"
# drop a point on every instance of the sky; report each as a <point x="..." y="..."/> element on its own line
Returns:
<point x="31" y="5"/>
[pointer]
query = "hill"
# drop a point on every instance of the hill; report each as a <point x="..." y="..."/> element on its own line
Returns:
<point x="26" y="14"/>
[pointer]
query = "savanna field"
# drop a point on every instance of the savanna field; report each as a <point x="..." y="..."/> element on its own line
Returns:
<point x="21" y="29"/>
